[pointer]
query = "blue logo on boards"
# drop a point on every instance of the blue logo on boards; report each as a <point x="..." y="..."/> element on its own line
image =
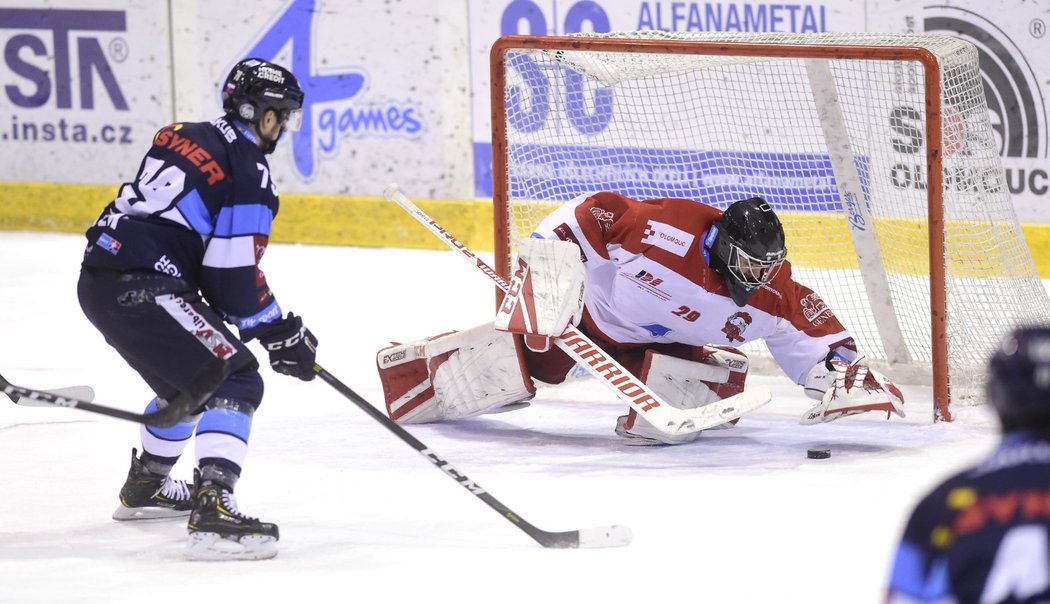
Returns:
<point x="716" y="177"/>
<point x="323" y="125"/>
<point x="723" y="16"/>
<point x="68" y="57"/>
<point x="534" y="99"/>
<point x="24" y="51"/>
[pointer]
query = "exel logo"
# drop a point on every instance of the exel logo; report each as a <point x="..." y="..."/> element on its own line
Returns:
<point x="324" y="126"/>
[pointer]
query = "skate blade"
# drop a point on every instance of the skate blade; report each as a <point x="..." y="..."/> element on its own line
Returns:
<point x="213" y="547"/>
<point x="123" y="513"/>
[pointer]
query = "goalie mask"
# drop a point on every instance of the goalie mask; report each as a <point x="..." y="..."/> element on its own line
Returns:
<point x="746" y="247"/>
<point x="1019" y="380"/>
<point x="255" y="85"/>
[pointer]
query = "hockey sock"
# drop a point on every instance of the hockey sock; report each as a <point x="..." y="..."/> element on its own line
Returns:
<point x="222" y="437"/>
<point x="162" y="447"/>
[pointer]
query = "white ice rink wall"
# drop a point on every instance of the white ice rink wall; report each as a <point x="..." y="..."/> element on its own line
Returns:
<point x="398" y="91"/>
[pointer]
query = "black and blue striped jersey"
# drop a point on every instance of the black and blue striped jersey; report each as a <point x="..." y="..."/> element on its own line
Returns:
<point x="983" y="535"/>
<point x="200" y="208"/>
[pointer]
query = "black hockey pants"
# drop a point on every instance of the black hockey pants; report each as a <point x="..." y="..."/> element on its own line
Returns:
<point x="165" y="331"/>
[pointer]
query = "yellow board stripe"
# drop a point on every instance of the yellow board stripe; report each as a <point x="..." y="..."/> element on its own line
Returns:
<point x="373" y="222"/>
<point x="970" y="254"/>
<point x="318" y="219"/>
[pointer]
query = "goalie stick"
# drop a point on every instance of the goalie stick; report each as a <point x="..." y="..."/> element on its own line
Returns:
<point x="606" y="536"/>
<point x="591" y="357"/>
<point x="205" y="382"/>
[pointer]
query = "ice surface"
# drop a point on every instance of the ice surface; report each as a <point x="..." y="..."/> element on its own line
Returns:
<point x="739" y="516"/>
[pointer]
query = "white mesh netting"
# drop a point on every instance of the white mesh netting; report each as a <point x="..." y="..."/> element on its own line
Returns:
<point x="722" y="127"/>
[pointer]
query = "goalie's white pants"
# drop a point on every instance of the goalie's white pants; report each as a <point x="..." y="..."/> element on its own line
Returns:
<point x="454" y="375"/>
<point x="685" y="384"/>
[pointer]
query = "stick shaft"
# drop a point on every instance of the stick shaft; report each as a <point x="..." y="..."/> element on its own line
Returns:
<point x="546" y="539"/>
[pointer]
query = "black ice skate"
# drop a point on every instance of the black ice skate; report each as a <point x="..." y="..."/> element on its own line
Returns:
<point x="219" y="531"/>
<point x="147" y="496"/>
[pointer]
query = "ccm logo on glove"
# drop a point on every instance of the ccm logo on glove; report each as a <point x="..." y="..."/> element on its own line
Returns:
<point x="292" y="348"/>
<point x="292" y="341"/>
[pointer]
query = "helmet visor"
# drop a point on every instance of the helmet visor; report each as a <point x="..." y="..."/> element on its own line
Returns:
<point x="292" y="119"/>
<point x="750" y="271"/>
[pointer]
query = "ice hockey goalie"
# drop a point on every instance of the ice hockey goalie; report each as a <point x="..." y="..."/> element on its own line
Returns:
<point x="670" y="288"/>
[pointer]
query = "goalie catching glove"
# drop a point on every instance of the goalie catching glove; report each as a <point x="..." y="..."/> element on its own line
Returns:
<point x="848" y="388"/>
<point x="545" y="295"/>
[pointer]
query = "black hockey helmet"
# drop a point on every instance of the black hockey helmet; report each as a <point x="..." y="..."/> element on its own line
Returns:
<point x="255" y="85"/>
<point x="746" y="247"/>
<point x="1018" y="385"/>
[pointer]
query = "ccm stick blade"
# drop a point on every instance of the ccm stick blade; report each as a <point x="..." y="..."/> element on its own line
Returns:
<point x="206" y="381"/>
<point x="608" y="536"/>
<point x="84" y="393"/>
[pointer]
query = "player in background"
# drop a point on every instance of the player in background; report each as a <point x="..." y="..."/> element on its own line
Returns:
<point x="983" y="535"/>
<point x="670" y="288"/>
<point x="171" y="259"/>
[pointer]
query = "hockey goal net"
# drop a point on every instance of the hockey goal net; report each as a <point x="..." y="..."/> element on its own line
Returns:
<point x="876" y="151"/>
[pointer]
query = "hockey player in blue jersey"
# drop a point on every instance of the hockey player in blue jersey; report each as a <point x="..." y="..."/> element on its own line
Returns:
<point x="168" y="263"/>
<point x="984" y="534"/>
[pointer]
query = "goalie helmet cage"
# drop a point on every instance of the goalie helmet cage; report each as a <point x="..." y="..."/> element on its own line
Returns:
<point x="876" y="150"/>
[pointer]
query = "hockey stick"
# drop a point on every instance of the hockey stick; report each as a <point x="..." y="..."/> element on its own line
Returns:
<point x="84" y="393"/>
<point x="591" y="357"/>
<point x="205" y="382"/>
<point x="606" y="536"/>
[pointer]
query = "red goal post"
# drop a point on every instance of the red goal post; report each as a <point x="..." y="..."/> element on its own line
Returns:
<point x="850" y="138"/>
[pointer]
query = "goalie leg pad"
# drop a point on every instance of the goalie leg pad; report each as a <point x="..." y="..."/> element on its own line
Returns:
<point x="406" y="384"/>
<point x="453" y="376"/>
<point x="717" y="373"/>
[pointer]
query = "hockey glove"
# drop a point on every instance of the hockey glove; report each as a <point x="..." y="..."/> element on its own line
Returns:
<point x="854" y="388"/>
<point x="546" y="294"/>
<point x="292" y="348"/>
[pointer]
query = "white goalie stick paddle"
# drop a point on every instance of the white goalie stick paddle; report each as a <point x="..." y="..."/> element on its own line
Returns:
<point x="626" y="386"/>
<point x="604" y="536"/>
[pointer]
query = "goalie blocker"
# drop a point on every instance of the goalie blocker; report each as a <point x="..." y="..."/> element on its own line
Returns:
<point x="546" y="293"/>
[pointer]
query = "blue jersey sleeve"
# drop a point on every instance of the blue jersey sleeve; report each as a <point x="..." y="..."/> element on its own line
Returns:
<point x="231" y="279"/>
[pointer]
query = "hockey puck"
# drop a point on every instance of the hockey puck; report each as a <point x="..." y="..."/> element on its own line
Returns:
<point x="818" y="453"/>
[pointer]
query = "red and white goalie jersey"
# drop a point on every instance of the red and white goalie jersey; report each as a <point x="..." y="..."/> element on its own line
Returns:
<point x="650" y="281"/>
